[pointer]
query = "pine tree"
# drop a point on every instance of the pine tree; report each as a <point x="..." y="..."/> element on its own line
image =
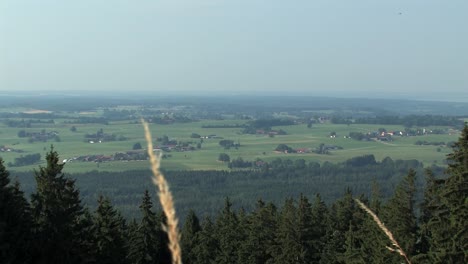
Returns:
<point x="455" y="196"/>
<point x="188" y="237"/>
<point x="428" y="207"/>
<point x="132" y="230"/>
<point x="374" y="241"/>
<point x="288" y="247"/>
<point x="164" y="254"/>
<point x="206" y="245"/>
<point x="15" y="221"/>
<point x="56" y="211"/>
<point x="305" y="227"/>
<point x="145" y="242"/>
<point x="352" y="254"/>
<point x="355" y="236"/>
<point x="340" y="217"/>
<point x="449" y="219"/>
<point x="109" y="234"/>
<point x="84" y="231"/>
<point x="260" y="231"/>
<point x="4" y="178"/>
<point x="399" y="215"/>
<point x="319" y="225"/>
<point x="376" y="197"/>
<point x="242" y="227"/>
<point x="228" y="235"/>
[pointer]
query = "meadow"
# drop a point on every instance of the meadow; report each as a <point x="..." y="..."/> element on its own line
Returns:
<point x="252" y="147"/>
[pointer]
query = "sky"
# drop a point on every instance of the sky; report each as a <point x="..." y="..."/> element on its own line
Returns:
<point x="361" y="48"/>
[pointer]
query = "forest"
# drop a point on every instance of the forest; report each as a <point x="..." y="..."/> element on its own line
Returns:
<point x="53" y="225"/>
<point x="203" y="191"/>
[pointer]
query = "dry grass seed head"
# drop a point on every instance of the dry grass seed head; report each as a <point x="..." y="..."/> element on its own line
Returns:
<point x="165" y="198"/>
<point x="387" y="232"/>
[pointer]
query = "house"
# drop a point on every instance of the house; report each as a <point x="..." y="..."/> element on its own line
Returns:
<point x="302" y="150"/>
<point x="323" y="119"/>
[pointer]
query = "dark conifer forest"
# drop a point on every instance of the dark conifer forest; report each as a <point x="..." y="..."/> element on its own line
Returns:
<point x="54" y="226"/>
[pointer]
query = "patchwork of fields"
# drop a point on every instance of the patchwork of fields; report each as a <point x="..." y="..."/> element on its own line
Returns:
<point x="74" y="144"/>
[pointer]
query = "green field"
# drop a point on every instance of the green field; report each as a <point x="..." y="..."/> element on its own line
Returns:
<point x="72" y="144"/>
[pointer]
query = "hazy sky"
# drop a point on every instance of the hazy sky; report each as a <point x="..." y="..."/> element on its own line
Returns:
<point x="383" y="47"/>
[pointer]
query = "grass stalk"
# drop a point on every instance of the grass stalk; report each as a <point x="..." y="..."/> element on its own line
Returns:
<point x="165" y="198"/>
<point x="396" y="247"/>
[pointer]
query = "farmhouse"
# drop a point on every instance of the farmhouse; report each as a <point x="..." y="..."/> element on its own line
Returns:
<point x="302" y="150"/>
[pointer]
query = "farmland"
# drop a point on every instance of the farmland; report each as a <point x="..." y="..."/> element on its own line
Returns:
<point x="302" y="145"/>
<point x="252" y="146"/>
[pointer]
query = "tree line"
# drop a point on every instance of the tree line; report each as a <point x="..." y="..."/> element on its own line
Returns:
<point x="28" y="159"/>
<point x="247" y="181"/>
<point x="407" y="121"/>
